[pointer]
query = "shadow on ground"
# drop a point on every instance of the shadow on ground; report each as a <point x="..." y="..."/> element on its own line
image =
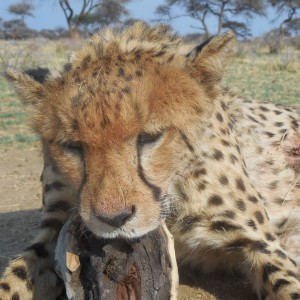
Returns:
<point x="220" y="285"/>
<point x="17" y="230"/>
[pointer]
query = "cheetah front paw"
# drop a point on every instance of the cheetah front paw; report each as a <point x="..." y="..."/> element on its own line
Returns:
<point x="284" y="289"/>
<point x="18" y="284"/>
<point x="15" y="283"/>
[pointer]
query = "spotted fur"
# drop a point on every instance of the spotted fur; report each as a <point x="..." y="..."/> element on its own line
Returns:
<point x="136" y="129"/>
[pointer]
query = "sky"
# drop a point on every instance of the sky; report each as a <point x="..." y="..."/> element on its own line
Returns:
<point x="48" y="15"/>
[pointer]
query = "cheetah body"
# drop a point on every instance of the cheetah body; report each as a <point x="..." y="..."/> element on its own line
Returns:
<point x="136" y="129"/>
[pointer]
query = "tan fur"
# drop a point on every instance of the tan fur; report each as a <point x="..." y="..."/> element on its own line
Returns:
<point x="137" y="125"/>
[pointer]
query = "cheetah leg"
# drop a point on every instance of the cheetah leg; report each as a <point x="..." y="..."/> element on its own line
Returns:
<point x="32" y="276"/>
<point x="242" y="244"/>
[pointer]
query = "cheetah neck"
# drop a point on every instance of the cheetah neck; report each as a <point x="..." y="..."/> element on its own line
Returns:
<point x="217" y="174"/>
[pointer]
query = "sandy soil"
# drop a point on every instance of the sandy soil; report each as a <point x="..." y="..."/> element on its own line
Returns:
<point x="20" y="203"/>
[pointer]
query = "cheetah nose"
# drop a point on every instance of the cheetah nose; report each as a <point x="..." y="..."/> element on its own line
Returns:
<point x="117" y="219"/>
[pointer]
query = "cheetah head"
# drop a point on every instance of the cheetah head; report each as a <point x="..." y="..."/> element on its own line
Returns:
<point x="120" y="121"/>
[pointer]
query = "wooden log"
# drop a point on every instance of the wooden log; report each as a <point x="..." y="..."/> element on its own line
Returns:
<point x="94" y="269"/>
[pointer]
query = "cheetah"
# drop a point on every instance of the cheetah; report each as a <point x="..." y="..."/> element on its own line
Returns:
<point x="136" y="129"/>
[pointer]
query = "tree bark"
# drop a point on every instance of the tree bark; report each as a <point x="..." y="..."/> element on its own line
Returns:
<point x="74" y="33"/>
<point x="117" y="269"/>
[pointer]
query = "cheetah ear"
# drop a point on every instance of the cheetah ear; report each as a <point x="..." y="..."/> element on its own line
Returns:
<point x="29" y="85"/>
<point x="208" y="61"/>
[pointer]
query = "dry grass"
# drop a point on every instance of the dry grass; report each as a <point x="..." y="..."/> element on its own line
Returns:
<point x="253" y="75"/>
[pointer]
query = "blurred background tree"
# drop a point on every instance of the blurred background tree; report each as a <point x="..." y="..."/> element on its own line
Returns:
<point x="290" y="9"/>
<point x="21" y="9"/>
<point x="93" y="14"/>
<point x="222" y="10"/>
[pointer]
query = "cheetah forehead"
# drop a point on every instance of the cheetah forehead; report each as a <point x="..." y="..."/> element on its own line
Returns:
<point x="159" y="41"/>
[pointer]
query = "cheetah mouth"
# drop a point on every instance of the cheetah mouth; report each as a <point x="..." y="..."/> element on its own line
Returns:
<point x="133" y="228"/>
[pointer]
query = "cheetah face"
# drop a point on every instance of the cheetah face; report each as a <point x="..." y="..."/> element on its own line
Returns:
<point x="124" y="189"/>
<point x="115" y="122"/>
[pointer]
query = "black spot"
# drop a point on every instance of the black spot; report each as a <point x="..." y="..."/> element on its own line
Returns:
<point x="121" y="72"/>
<point x="278" y="124"/>
<point x="270" y="237"/>
<point x="75" y="125"/>
<point x="225" y="143"/>
<point x="188" y="222"/>
<point x="279" y="283"/>
<point x="95" y="73"/>
<point x="187" y="142"/>
<point x="62" y="82"/>
<point x="259" y="217"/>
<point x="267" y="216"/>
<point x="52" y="223"/>
<point x="171" y="58"/>
<point x="76" y="100"/>
<point x="223" y="105"/>
<point x="268" y="269"/>
<point x="215" y="200"/>
<point x="59" y="205"/>
<point x="294" y="124"/>
<point x="223" y="180"/>
<point x="201" y="186"/>
<point x="20" y="272"/>
<point x="277" y="112"/>
<point x="253" y="119"/>
<point x="293" y="274"/>
<point x="233" y="158"/>
<point x="251" y="224"/>
<point x="263" y="108"/>
<point x="200" y="172"/>
<point x="229" y="214"/>
<point x="56" y="185"/>
<point x="126" y="90"/>
<point x="283" y="131"/>
<point x="160" y="53"/>
<point x="67" y="67"/>
<point x="77" y="78"/>
<point x="273" y="185"/>
<point x="218" y="155"/>
<point x="39" y="249"/>
<point x="263" y="117"/>
<point x="252" y="199"/>
<point x="4" y="286"/>
<point x="260" y="246"/>
<point x="219" y="117"/>
<point x="238" y="244"/>
<point x="15" y="296"/>
<point x="224" y="226"/>
<point x="240" y="205"/>
<point x="295" y="296"/>
<point x="138" y="73"/>
<point x="86" y="60"/>
<point x="282" y="223"/>
<point x="269" y="134"/>
<point x="223" y="131"/>
<point x="128" y="78"/>
<point x="293" y="262"/>
<point x="240" y="184"/>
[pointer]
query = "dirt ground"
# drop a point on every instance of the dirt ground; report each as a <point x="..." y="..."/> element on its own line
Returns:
<point x="20" y="203"/>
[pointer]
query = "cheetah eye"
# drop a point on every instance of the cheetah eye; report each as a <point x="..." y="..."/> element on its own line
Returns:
<point x="73" y="148"/>
<point x="148" y="138"/>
